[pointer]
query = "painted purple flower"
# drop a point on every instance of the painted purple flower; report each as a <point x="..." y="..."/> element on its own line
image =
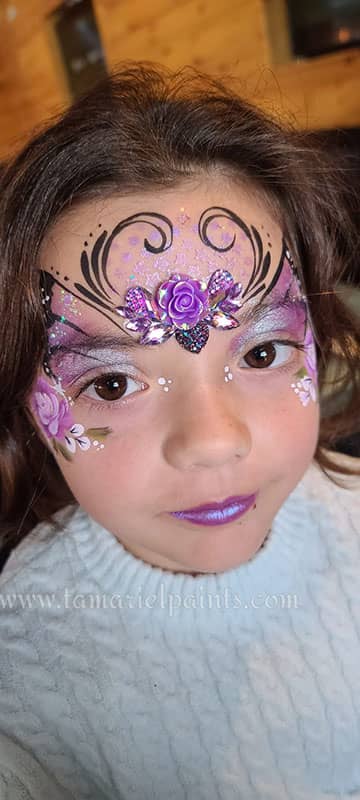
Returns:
<point x="51" y="409"/>
<point x="305" y="388"/>
<point x="183" y="301"/>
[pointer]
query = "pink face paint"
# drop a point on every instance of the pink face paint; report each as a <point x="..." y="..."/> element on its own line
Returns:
<point x="310" y="354"/>
<point x="76" y="358"/>
<point x="183" y="306"/>
<point x="267" y="320"/>
<point x="51" y="408"/>
<point x="305" y="386"/>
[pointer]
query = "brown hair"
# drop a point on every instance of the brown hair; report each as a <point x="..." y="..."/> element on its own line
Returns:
<point x="140" y="128"/>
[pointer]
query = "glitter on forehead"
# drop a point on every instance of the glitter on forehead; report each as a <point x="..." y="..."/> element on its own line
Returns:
<point x="71" y="304"/>
<point x="183" y="217"/>
<point x="62" y="310"/>
<point x="133" y="263"/>
<point x="66" y="307"/>
<point x="128" y="257"/>
<point x="58" y="333"/>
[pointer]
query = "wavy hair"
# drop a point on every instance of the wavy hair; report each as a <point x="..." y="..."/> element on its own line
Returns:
<point x="140" y="128"/>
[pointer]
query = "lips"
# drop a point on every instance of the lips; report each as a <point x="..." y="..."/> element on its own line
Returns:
<point x="217" y="513"/>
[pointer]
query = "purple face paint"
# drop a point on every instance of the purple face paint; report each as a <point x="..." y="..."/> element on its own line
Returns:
<point x="266" y="300"/>
<point x="185" y="305"/>
<point x="85" y="352"/>
<point x="305" y="386"/>
<point x="71" y="365"/>
<point x="264" y="321"/>
<point x="51" y="409"/>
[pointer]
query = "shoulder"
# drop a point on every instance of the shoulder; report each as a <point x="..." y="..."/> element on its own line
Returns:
<point x="42" y="546"/>
<point x="340" y="483"/>
<point x="22" y="777"/>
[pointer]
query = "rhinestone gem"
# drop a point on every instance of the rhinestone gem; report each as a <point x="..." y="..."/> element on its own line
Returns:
<point x="194" y="339"/>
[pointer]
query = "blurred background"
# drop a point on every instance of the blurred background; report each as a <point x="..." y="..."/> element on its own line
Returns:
<point x="299" y="59"/>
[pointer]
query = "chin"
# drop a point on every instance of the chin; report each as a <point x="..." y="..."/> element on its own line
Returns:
<point x="223" y="563"/>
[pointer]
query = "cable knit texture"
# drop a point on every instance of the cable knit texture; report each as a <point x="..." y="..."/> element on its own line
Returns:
<point x="122" y="681"/>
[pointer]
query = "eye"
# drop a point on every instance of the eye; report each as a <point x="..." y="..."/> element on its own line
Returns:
<point x="270" y="354"/>
<point x="109" y="388"/>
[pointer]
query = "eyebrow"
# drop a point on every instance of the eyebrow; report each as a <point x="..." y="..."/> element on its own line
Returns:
<point x="124" y="343"/>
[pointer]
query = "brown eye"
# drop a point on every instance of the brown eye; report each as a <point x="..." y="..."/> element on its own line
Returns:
<point x="261" y="356"/>
<point x="110" y="387"/>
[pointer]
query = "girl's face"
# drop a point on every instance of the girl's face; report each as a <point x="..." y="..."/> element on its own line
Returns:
<point x="222" y="403"/>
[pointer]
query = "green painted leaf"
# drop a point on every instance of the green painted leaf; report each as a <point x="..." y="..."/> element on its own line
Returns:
<point x="301" y="373"/>
<point x="97" y="433"/>
<point x="59" y="448"/>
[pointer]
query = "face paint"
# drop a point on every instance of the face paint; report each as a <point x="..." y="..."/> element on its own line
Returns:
<point x="183" y="217"/>
<point x="305" y="386"/>
<point x="228" y="374"/>
<point x="51" y="408"/>
<point x="182" y="306"/>
<point x="288" y="314"/>
<point x="165" y="383"/>
<point x="217" y="446"/>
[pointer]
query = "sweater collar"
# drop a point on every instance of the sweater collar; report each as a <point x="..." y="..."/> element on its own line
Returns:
<point x="279" y="569"/>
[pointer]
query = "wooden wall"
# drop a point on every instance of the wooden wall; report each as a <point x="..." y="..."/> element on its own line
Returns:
<point x="246" y="39"/>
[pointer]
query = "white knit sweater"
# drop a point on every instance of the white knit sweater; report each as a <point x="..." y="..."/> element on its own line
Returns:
<point x="122" y="681"/>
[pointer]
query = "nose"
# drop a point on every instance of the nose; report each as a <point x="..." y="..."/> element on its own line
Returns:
<point x="208" y="432"/>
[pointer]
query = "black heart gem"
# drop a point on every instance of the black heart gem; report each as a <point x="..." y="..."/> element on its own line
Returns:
<point x="195" y="338"/>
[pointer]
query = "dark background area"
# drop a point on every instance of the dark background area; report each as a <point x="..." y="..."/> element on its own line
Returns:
<point x="322" y="26"/>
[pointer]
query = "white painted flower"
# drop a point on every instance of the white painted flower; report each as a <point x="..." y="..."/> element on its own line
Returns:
<point x="77" y="438"/>
<point x="305" y="390"/>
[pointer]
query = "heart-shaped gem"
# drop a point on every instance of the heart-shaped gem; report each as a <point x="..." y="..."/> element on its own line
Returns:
<point x="195" y="338"/>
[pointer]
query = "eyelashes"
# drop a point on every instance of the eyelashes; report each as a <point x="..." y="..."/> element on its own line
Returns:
<point x="102" y="391"/>
<point x="274" y="345"/>
<point x="108" y="384"/>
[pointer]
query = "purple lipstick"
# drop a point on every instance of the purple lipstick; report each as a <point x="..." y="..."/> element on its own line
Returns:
<point x="217" y="513"/>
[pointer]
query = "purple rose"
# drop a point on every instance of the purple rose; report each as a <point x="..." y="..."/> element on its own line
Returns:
<point x="182" y="301"/>
<point x="52" y="410"/>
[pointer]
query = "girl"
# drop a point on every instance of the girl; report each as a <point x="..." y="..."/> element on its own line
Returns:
<point x="179" y="612"/>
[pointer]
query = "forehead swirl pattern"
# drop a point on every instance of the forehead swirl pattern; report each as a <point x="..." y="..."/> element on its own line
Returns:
<point x="182" y="306"/>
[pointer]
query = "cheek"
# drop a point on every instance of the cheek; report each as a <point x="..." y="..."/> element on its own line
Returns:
<point x="290" y="436"/>
<point x="301" y="427"/>
<point x="109" y="483"/>
<point x="114" y="478"/>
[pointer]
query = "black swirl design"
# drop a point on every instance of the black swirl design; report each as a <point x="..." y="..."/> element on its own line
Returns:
<point x="97" y="291"/>
<point x="47" y="283"/>
<point x="261" y="258"/>
<point x="94" y="269"/>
